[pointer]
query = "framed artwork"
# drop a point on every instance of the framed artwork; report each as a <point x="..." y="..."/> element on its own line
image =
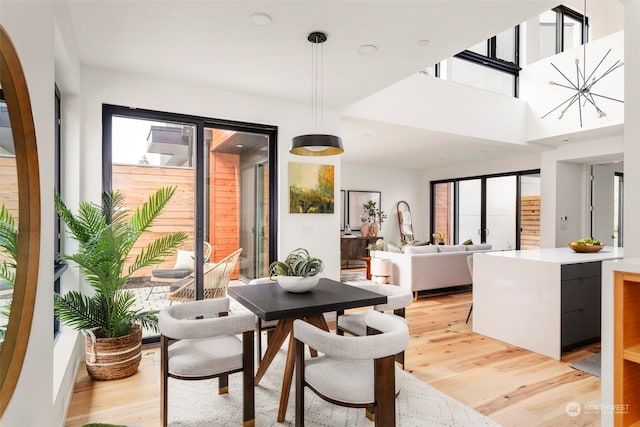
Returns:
<point x="311" y="188"/>
<point x="355" y="201"/>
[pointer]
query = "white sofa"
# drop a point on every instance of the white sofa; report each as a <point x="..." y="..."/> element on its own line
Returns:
<point x="421" y="268"/>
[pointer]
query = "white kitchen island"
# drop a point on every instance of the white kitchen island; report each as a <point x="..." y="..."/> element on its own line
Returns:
<point x="543" y="300"/>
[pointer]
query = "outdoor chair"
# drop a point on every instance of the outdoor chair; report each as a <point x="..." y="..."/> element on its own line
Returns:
<point x="397" y="299"/>
<point x="198" y="341"/>
<point x="216" y="280"/>
<point x="355" y="372"/>
<point x="181" y="265"/>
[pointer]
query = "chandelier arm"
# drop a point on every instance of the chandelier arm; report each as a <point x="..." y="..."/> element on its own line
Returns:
<point x="576" y="97"/>
<point x="580" y="109"/>
<point x="599" y="63"/>
<point x="563" y="102"/>
<point x="607" y="97"/>
<point x="609" y="71"/>
<point x="565" y="77"/>
<point x="564" y="86"/>
<point x="593" y="102"/>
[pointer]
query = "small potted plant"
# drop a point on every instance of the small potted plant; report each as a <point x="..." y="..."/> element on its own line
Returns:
<point x="299" y="272"/>
<point x="372" y="217"/>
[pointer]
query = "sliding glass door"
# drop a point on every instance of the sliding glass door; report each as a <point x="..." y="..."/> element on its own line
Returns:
<point x="224" y="198"/>
<point x="498" y="209"/>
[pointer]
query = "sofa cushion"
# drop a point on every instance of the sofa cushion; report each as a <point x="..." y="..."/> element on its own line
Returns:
<point x="480" y="247"/>
<point x="428" y="249"/>
<point x="451" y="248"/>
<point x="392" y="247"/>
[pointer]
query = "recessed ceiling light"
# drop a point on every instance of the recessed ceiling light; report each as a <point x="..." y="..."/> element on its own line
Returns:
<point x="239" y="146"/>
<point x="260" y="19"/>
<point x="566" y="139"/>
<point x="367" y="49"/>
<point x="423" y="42"/>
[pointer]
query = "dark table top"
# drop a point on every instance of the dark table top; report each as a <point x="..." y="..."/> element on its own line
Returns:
<point x="270" y="302"/>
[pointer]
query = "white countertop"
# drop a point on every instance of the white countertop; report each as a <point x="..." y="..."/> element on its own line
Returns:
<point x="560" y="255"/>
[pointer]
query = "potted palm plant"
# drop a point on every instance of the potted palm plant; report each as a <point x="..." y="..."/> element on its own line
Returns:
<point x="106" y="235"/>
<point x="8" y="256"/>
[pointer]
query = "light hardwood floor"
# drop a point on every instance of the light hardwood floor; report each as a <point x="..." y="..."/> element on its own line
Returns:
<point x="514" y="387"/>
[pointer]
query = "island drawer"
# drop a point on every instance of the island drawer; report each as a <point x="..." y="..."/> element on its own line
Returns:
<point x="584" y="269"/>
<point x="580" y="326"/>
<point x="580" y="293"/>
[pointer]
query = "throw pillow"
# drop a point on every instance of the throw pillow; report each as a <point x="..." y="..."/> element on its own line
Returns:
<point x="184" y="260"/>
<point x="451" y="248"/>
<point x="416" y="250"/>
<point x="392" y="247"/>
<point x="468" y="242"/>
<point x="421" y="243"/>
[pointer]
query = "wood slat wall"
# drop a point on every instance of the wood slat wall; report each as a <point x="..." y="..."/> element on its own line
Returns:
<point x="137" y="183"/>
<point x="9" y="185"/>
<point x="442" y="215"/>
<point x="530" y="222"/>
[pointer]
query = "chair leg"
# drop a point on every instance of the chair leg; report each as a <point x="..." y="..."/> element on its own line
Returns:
<point x="248" y="390"/>
<point x="469" y="315"/>
<point x="299" y="383"/>
<point x="385" y="395"/>
<point x="223" y="384"/>
<point x="259" y="341"/>
<point x="164" y="368"/>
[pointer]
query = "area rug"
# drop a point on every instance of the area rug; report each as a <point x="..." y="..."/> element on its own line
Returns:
<point x="197" y="404"/>
<point x="590" y="365"/>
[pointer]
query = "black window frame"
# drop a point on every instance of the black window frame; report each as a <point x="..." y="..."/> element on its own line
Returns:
<point x="200" y="123"/>
<point x="562" y="11"/>
<point x="490" y="60"/>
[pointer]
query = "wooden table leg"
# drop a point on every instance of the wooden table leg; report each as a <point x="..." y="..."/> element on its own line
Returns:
<point x="316" y="320"/>
<point x="287" y="378"/>
<point x="282" y="331"/>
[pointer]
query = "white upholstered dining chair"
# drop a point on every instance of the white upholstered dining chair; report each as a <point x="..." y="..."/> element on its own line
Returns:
<point x="198" y="341"/>
<point x="355" y="372"/>
<point x="397" y="300"/>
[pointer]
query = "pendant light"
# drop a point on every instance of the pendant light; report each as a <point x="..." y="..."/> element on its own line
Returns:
<point x="316" y="144"/>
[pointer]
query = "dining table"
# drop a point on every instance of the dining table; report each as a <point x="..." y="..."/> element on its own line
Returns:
<point x="271" y="302"/>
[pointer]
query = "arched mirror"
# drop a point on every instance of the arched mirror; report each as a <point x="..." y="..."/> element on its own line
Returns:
<point x="20" y="196"/>
<point x="404" y="221"/>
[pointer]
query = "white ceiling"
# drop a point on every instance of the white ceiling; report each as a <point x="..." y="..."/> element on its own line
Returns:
<point x="215" y="43"/>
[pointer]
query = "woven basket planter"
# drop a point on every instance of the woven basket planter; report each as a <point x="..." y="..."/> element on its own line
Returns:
<point x="113" y="358"/>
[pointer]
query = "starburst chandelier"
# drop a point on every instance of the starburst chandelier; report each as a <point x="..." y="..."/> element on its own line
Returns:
<point x="583" y="87"/>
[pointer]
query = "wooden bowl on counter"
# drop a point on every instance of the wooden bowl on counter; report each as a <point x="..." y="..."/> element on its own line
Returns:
<point x="585" y="248"/>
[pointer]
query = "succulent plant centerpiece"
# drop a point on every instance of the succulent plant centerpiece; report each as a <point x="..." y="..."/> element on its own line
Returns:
<point x="298" y="272"/>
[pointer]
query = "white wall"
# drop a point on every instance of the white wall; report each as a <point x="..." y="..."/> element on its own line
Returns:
<point x="542" y="97"/>
<point x="34" y="402"/>
<point x="560" y="185"/>
<point x="603" y="201"/>
<point x="394" y="185"/>
<point x="426" y="102"/>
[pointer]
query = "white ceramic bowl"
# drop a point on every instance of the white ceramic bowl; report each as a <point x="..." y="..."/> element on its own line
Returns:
<point x="298" y="284"/>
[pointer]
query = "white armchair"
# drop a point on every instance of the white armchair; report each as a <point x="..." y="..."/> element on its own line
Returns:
<point x="354" y="371"/>
<point x="198" y="341"/>
<point x="397" y="300"/>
